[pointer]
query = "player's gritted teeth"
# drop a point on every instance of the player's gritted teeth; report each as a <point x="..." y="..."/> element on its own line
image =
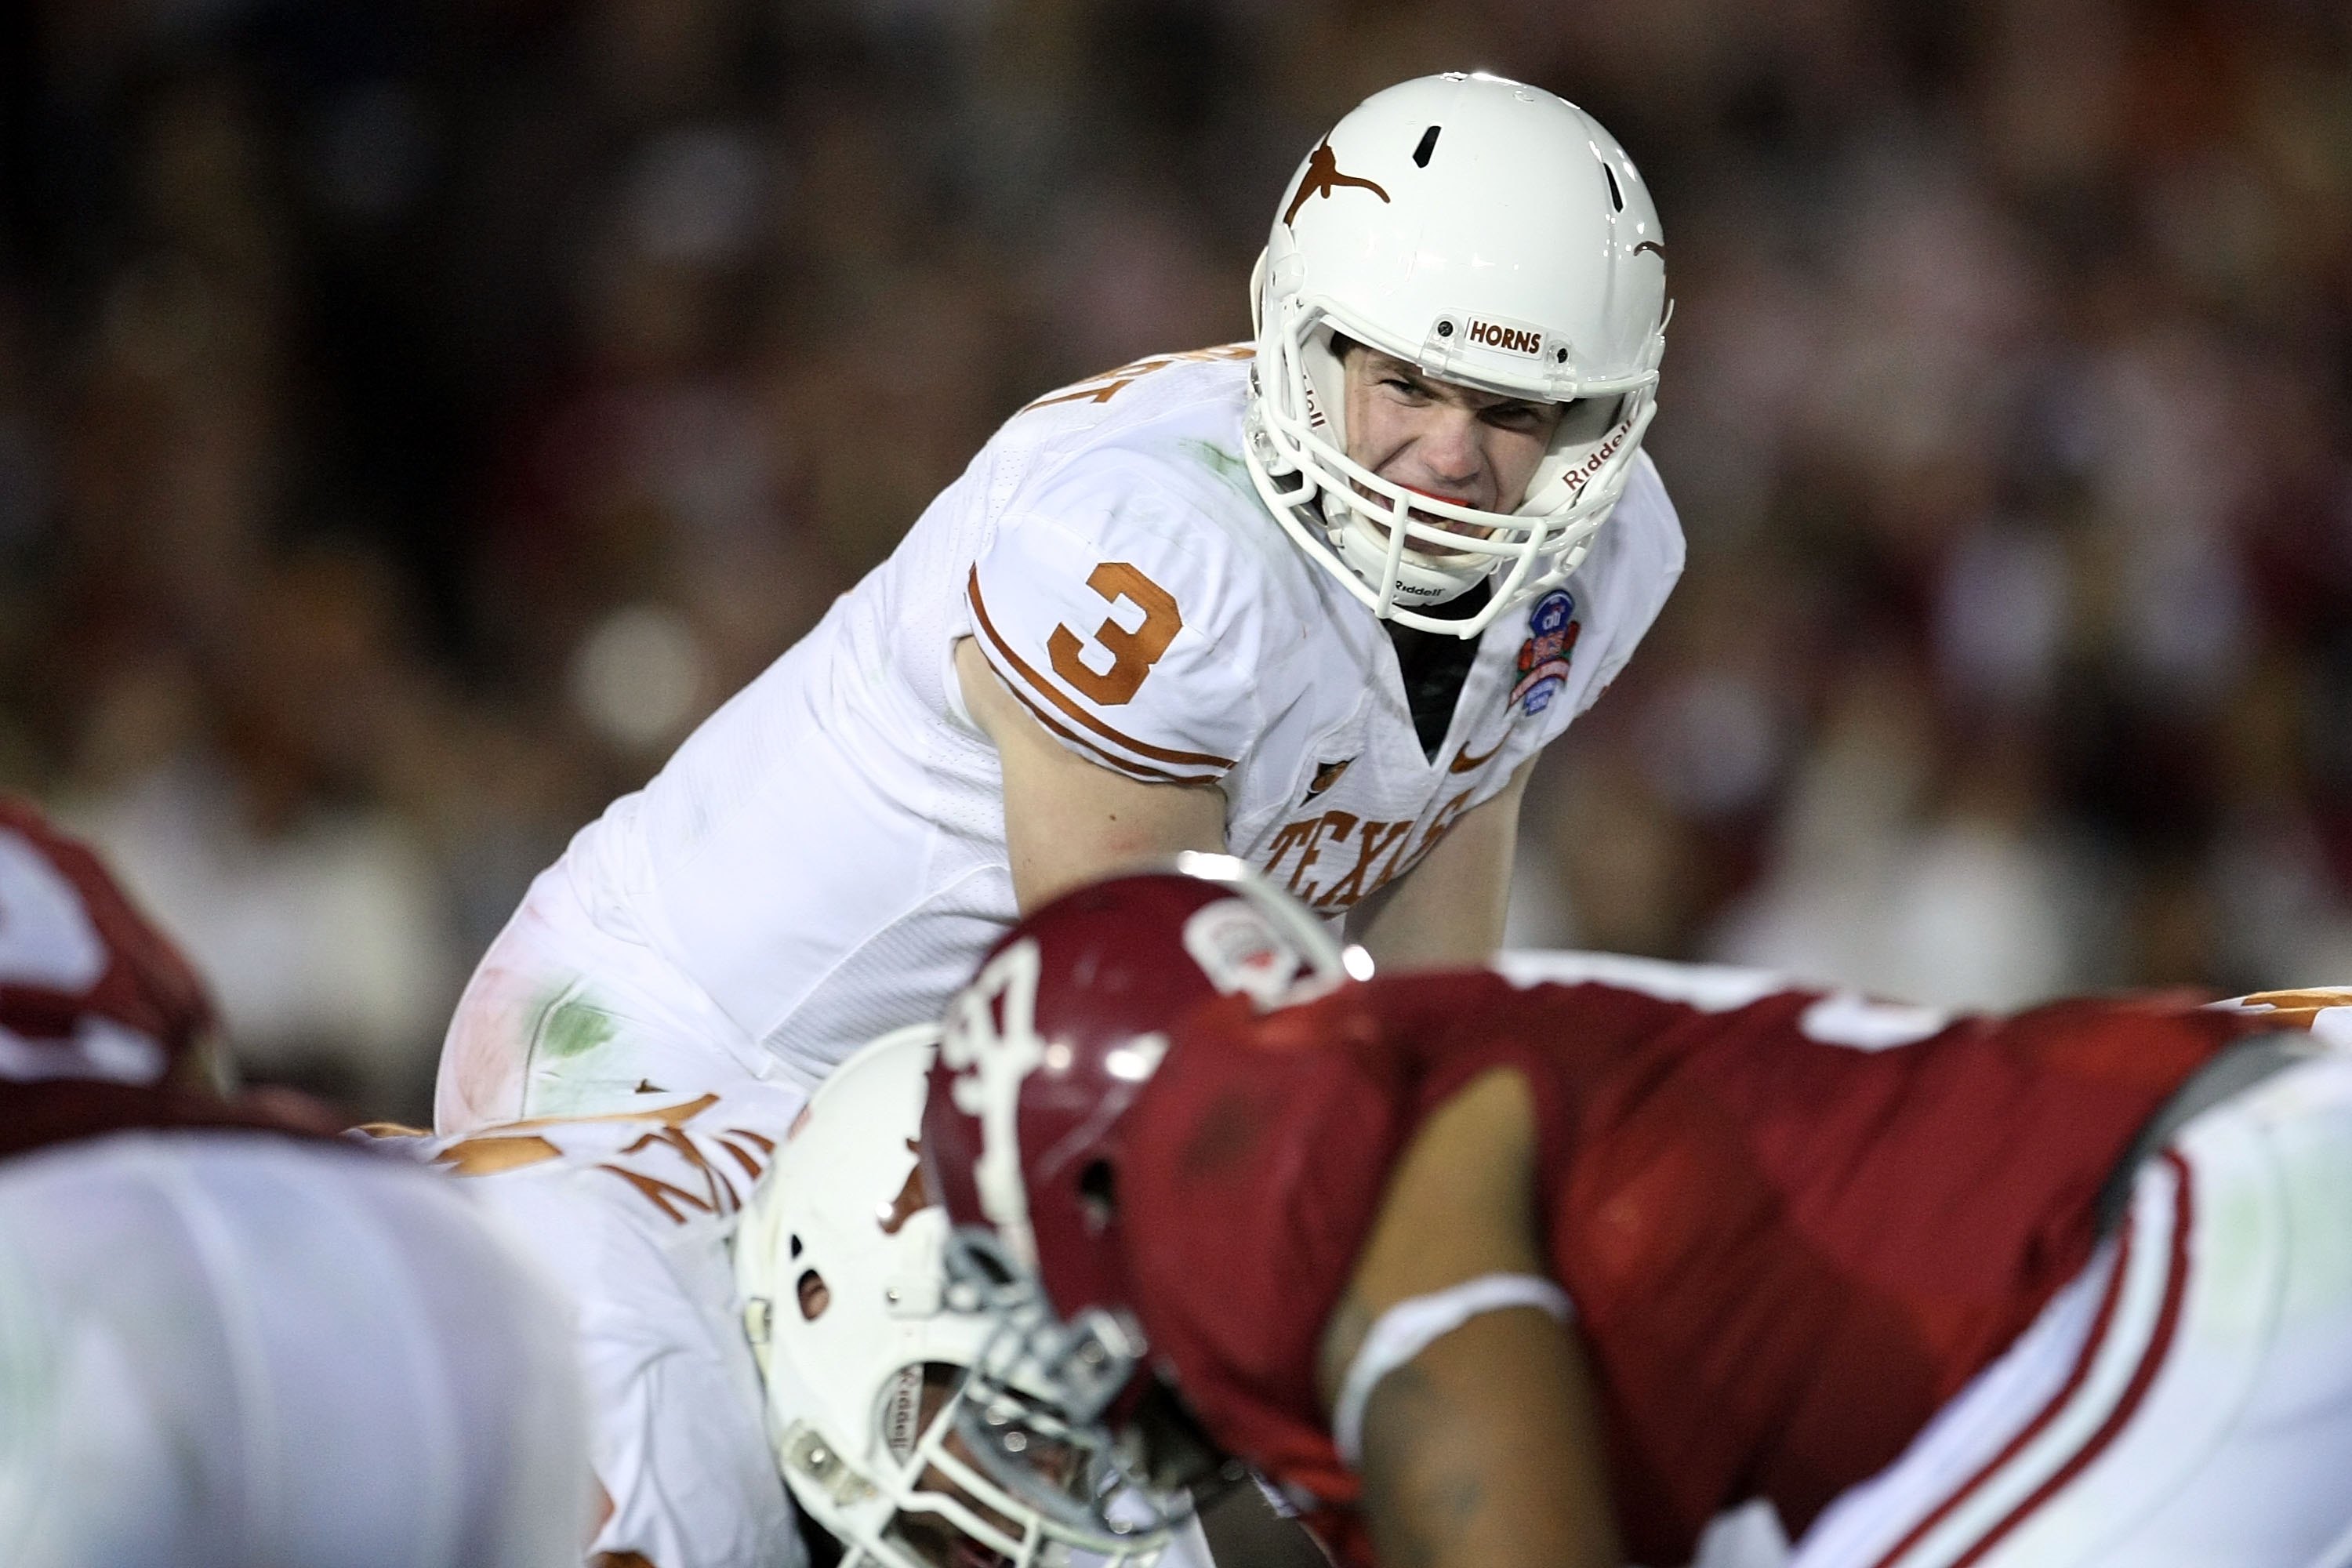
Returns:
<point x="1428" y="519"/>
<point x="1449" y="525"/>
<point x="1435" y="439"/>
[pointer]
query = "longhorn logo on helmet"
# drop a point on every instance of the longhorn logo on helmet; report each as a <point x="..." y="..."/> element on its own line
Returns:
<point x="1323" y="177"/>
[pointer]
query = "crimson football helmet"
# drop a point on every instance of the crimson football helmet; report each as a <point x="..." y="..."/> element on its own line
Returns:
<point x="1041" y="1057"/>
<point x="88" y="987"/>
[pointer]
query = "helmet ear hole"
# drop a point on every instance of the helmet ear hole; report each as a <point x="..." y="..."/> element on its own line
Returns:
<point x="1098" y="1192"/>
<point x="815" y="1295"/>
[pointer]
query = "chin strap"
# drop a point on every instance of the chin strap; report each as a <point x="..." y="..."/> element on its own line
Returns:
<point x="1412" y="1326"/>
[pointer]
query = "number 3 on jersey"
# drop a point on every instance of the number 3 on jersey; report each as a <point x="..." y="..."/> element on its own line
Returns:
<point x="1133" y="653"/>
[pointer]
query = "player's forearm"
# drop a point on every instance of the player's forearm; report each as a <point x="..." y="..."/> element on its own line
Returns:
<point x="1449" y="911"/>
<point x="1482" y="1452"/>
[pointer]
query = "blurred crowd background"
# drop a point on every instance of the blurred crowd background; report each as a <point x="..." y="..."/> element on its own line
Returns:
<point x="414" y="415"/>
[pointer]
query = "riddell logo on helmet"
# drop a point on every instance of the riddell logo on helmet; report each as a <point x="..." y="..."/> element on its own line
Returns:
<point x="1577" y="477"/>
<point x="1510" y="339"/>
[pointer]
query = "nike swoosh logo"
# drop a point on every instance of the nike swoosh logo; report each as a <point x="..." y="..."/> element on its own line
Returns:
<point x="1466" y="762"/>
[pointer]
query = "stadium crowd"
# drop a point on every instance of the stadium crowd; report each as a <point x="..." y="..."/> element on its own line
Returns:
<point x="414" y="417"/>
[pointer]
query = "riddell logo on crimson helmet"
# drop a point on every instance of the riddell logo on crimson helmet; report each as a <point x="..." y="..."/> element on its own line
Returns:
<point x="1510" y="339"/>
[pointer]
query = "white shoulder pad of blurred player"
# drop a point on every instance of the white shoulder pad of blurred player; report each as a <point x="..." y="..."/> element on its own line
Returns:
<point x="236" y="1347"/>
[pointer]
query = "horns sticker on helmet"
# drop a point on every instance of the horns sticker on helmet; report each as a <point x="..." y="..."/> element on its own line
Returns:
<point x="1323" y="177"/>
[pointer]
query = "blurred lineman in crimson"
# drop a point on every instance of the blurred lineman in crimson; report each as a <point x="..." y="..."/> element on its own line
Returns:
<point x="1480" y="1270"/>
<point x="226" y="1335"/>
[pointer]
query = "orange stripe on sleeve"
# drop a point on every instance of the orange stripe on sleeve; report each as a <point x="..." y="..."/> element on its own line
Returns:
<point x="1116" y="763"/>
<point x="1069" y="705"/>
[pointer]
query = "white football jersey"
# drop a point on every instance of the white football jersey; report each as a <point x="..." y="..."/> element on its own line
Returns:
<point x="825" y="859"/>
<point x="630" y="1215"/>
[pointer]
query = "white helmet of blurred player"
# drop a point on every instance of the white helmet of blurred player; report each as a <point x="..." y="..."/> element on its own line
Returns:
<point x="840" y="1261"/>
<point x="1496" y="237"/>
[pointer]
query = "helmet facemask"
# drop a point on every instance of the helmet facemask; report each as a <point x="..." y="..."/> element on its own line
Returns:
<point x="869" y="1355"/>
<point x="1047" y="1409"/>
<point x="1369" y="530"/>
<point x="1042" y="1056"/>
<point x="1496" y="237"/>
<point x="925" y="1500"/>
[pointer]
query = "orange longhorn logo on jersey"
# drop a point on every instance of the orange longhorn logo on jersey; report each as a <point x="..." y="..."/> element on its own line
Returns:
<point x="1325" y="777"/>
<point x="1323" y="177"/>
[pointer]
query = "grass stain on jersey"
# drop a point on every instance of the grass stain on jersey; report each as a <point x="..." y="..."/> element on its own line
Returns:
<point x="573" y="1029"/>
<point x="1226" y="465"/>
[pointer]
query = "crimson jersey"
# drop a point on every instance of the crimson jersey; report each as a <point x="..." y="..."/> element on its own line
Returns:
<point x="1785" y="1252"/>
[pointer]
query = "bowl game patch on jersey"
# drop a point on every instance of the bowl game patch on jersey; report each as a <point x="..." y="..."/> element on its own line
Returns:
<point x="1552" y="630"/>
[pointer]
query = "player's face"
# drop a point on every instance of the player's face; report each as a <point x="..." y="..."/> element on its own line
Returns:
<point x="1443" y="440"/>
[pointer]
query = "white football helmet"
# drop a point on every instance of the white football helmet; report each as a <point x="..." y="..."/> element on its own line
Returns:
<point x="1496" y="237"/>
<point x="840" y="1262"/>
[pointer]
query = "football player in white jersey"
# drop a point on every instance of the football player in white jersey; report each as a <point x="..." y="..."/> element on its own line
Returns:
<point x="1317" y="600"/>
<point x="838" y="1254"/>
<point x="629" y="1215"/>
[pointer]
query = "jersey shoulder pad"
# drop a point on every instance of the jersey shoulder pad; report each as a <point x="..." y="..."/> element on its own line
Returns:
<point x="1142" y="389"/>
<point x="1256" y="1165"/>
<point x="1709" y="988"/>
<point x="1131" y="603"/>
<point x="1635" y="562"/>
